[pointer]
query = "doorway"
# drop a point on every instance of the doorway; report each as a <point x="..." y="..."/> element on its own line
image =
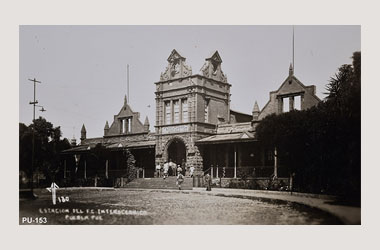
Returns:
<point x="177" y="152"/>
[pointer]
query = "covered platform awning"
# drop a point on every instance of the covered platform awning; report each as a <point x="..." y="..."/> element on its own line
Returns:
<point x="228" y="138"/>
<point x="114" y="146"/>
<point x="133" y="145"/>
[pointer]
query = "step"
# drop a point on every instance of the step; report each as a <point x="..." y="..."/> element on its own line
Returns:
<point x="160" y="183"/>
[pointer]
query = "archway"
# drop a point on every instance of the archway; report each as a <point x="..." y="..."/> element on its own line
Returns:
<point x="176" y="151"/>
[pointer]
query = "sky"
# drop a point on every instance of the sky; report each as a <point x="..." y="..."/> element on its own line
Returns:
<point x="83" y="69"/>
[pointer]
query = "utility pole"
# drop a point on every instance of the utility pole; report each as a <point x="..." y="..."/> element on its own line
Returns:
<point x="33" y="196"/>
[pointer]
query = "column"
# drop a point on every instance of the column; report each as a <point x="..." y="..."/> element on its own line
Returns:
<point x="235" y="161"/>
<point x="212" y="172"/>
<point x="180" y="110"/>
<point x="239" y="149"/>
<point x="106" y="169"/>
<point x="275" y="162"/>
<point x="143" y="173"/>
<point x="291" y="103"/>
<point x="217" y="171"/>
<point x="171" y="112"/>
<point x="280" y="105"/>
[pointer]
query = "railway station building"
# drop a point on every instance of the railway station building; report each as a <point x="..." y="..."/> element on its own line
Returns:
<point x="194" y="126"/>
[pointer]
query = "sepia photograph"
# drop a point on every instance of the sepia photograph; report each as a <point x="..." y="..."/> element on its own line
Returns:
<point x="189" y="125"/>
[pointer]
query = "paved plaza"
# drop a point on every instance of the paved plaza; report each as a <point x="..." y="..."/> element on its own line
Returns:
<point x="108" y="206"/>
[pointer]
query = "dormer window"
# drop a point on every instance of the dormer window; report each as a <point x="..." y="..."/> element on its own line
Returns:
<point x="126" y="125"/>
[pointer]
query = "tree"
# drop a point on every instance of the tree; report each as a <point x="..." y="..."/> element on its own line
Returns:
<point x="322" y="144"/>
<point x="131" y="171"/>
<point x="48" y="145"/>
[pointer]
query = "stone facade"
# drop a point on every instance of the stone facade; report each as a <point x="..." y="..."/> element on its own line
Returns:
<point x="188" y="107"/>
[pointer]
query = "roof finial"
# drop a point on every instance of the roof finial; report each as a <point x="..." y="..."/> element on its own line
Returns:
<point x="83" y="133"/>
<point x="125" y="100"/>
<point x="146" y="124"/>
<point x="291" y="70"/>
<point x="256" y="107"/>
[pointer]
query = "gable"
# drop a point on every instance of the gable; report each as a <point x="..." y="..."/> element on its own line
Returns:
<point x="126" y="113"/>
<point x="215" y="57"/>
<point x="174" y="55"/>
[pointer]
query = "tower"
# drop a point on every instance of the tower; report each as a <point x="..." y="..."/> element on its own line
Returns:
<point x="188" y="108"/>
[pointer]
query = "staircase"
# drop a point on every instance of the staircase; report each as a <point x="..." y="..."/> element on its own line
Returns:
<point x="160" y="183"/>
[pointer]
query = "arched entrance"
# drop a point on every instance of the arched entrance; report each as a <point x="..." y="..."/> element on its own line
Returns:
<point x="176" y="151"/>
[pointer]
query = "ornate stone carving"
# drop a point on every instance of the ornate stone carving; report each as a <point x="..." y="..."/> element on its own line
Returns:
<point x="165" y="76"/>
<point x="176" y="68"/>
<point x="212" y="68"/>
<point x="205" y="69"/>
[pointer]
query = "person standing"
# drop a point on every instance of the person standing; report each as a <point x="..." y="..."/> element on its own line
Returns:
<point x="173" y="167"/>
<point x="179" y="169"/>
<point x="208" y="182"/>
<point x="158" y="170"/>
<point x="184" y="167"/>
<point x="179" y="180"/>
<point x="191" y="171"/>
<point x="166" y="170"/>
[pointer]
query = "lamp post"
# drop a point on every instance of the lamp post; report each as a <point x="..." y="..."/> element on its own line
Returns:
<point x="32" y="195"/>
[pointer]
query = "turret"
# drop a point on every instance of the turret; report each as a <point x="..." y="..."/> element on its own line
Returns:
<point x="146" y="124"/>
<point x="83" y="133"/>
<point x="106" y="128"/>
<point x="255" y="112"/>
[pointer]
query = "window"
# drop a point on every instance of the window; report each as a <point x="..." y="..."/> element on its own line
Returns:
<point x="285" y="107"/>
<point x="297" y="102"/>
<point x="123" y="126"/>
<point x="184" y="111"/>
<point x="176" y="111"/>
<point x="167" y="113"/>
<point x="129" y="124"/>
<point x="206" y="110"/>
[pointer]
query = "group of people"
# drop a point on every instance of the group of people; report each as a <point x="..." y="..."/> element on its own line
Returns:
<point x="171" y="168"/>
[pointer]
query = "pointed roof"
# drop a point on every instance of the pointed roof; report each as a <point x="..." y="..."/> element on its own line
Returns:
<point x="106" y="126"/>
<point x="83" y="129"/>
<point x="175" y="55"/>
<point x="215" y="56"/>
<point x="146" y="123"/>
<point x="256" y="108"/>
